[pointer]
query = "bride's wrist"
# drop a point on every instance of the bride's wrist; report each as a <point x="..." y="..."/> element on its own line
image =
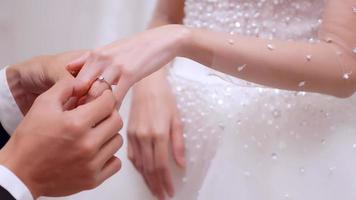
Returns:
<point x="188" y="48"/>
<point x="152" y="83"/>
<point x="184" y="35"/>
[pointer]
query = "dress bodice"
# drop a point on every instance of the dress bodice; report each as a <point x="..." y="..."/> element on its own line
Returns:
<point x="272" y="144"/>
<point x="282" y="19"/>
<point x="269" y="19"/>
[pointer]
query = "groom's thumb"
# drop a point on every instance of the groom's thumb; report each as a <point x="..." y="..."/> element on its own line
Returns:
<point x="61" y="91"/>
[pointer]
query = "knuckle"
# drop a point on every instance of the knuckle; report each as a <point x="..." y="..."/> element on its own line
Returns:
<point x="75" y="125"/>
<point x="126" y="71"/>
<point x="90" y="174"/>
<point x="144" y="135"/>
<point x="90" y="170"/>
<point x="86" y="149"/>
<point x="92" y="55"/>
<point x="91" y="183"/>
<point x="100" y="54"/>
<point x="159" y="130"/>
<point x="160" y="136"/>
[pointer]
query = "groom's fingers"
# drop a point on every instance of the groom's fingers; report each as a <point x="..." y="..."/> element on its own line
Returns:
<point x="107" y="129"/>
<point x="108" y="150"/>
<point x="96" y="111"/>
<point x="110" y="78"/>
<point x="86" y="77"/>
<point x="71" y="103"/>
<point x="96" y="90"/>
<point x="110" y="168"/>
<point x="78" y="63"/>
<point x="61" y="92"/>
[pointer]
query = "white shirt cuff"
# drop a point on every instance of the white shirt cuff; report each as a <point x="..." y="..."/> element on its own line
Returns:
<point x="10" y="182"/>
<point x="10" y="113"/>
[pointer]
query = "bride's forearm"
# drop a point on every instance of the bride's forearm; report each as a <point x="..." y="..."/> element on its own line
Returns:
<point x="160" y="18"/>
<point x="321" y="67"/>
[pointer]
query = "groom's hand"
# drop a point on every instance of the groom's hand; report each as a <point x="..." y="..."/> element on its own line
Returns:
<point x="58" y="152"/>
<point x="30" y="78"/>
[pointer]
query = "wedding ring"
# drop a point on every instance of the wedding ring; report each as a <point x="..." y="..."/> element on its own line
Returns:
<point x="102" y="79"/>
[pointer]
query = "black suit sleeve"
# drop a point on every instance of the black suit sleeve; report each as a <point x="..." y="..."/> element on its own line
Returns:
<point x="5" y="195"/>
<point x="4" y="136"/>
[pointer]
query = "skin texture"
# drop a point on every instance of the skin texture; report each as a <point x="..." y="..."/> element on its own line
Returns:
<point x="150" y="160"/>
<point x="153" y="141"/>
<point x="30" y="78"/>
<point x="74" y="146"/>
<point x="284" y="67"/>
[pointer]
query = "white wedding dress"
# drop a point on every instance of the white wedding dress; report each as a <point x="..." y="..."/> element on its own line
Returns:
<point x="248" y="142"/>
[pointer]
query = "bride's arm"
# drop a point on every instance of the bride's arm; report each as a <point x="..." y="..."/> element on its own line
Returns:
<point x="152" y="141"/>
<point x="324" y="67"/>
<point x="166" y="12"/>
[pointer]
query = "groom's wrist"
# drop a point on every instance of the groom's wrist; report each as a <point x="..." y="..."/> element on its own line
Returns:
<point x="18" y="177"/>
<point x="17" y="75"/>
<point x="13" y="77"/>
<point x="12" y="160"/>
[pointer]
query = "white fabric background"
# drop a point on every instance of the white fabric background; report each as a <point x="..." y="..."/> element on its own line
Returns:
<point x="33" y="27"/>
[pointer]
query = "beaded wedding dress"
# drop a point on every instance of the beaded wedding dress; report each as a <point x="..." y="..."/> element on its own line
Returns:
<point x="249" y="142"/>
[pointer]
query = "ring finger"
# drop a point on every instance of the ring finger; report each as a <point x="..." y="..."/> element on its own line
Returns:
<point x="147" y="155"/>
<point x="96" y="90"/>
<point x="136" y="160"/>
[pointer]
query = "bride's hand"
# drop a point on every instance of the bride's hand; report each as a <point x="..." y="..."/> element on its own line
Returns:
<point x="127" y="61"/>
<point x="154" y="131"/>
